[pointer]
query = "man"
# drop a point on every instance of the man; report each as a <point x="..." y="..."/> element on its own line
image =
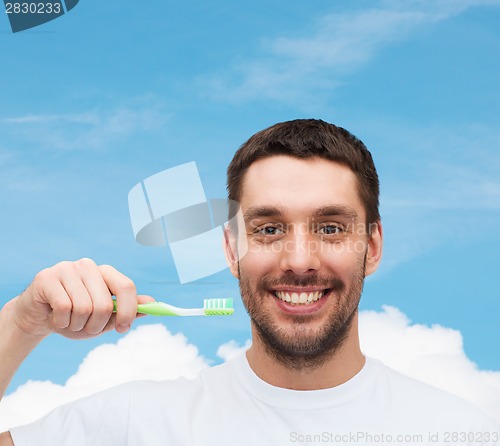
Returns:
<point x="308" y="193"/>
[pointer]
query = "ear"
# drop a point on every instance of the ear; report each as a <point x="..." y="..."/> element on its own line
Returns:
<point x="374" y="252"/>
<point x="231" y="250"/>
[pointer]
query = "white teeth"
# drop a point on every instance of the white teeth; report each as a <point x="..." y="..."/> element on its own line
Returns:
<point x="299" y="298"/>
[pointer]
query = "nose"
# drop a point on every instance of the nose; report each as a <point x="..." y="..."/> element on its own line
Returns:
<point x="300" y="253"/>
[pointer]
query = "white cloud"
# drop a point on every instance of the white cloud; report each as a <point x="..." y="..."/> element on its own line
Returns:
<point x="89" y="130"/>
<point x="440" y="9"/>
<point x="79" y="118"/>
<point x="440" y="190"/>
<point x="454" y="168"/>
<point x="431" y="354"/>
<point x="148" y="352"/>
<point x="451" y="186"/>
<point x="231" y="349"/>
<point x="291" y="67"/>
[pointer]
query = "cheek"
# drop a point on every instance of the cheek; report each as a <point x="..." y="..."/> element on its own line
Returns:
<point x="258" y="260"/>
<point x="344" y="259"/>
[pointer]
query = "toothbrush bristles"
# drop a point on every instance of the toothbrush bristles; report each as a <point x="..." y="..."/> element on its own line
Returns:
<point x="218" y="306"/>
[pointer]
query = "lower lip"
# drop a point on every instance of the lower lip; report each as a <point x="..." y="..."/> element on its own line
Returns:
<point x="313" y="307"/>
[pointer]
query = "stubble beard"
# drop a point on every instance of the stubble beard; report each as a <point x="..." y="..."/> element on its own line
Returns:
<point x="303" y="347"/>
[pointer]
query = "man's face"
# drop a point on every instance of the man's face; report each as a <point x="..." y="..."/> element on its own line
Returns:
<point x="302" y="274"/>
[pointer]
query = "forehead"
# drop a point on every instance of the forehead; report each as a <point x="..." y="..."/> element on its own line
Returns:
<point x="299" y="185"/>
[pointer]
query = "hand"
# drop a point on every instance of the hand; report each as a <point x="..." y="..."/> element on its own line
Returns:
<point x="75" y="300"/>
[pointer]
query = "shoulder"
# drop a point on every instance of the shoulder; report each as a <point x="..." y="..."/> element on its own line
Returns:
<point x="425" y="400"/>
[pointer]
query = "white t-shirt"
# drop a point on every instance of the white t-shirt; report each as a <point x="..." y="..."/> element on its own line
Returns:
<point x="230" y="405"/>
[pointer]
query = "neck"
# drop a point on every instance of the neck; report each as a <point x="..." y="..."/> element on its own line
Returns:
<point x="340" y="367"/>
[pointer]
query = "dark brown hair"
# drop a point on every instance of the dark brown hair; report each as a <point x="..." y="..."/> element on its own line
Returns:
<point x="304" y="138"/>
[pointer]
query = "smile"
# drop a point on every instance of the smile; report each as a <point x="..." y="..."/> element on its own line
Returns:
<point x="303" y="298"/>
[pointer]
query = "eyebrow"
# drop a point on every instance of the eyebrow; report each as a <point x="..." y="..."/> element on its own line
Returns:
<point x="337" y="210"/>
<point x="263" y="211"/>
<point x="277" y="211"/>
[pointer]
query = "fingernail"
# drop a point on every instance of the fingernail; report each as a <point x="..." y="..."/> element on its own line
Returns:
<point x="123" y="328"/>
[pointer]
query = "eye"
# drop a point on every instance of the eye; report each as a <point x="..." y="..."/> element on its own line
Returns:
<point x="331" y="229"/>
<point x="269" y="230"/>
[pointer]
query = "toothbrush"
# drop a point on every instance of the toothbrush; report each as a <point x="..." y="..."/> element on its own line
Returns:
<point x="211" y="307"/>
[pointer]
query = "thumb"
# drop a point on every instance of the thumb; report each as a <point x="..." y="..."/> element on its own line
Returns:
<point x="144" y="299"/>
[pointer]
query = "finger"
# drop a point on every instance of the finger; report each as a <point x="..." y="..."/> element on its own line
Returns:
<point x="82" y="306"/>
<point x="61" y="306"/>
<point x="126" y="296"/>
<point x="110" y="325"/>
<point x="144" y="299"/>
<point x="51" y="302"/>
<point x="102" y="302"/>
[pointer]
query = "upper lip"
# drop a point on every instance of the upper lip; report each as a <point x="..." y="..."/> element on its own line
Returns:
<point x="295" y="289"/>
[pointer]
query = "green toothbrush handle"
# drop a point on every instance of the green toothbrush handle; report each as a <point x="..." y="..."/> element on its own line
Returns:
<point x="153" y="309"/>
<point x="156" y="309"/>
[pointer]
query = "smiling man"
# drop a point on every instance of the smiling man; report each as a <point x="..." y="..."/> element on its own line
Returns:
<point x="313" y="234"/>
<point x="309" y="236"/>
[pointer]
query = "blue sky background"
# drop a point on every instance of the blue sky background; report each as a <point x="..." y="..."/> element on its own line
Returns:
<point x="113" y="92"/>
